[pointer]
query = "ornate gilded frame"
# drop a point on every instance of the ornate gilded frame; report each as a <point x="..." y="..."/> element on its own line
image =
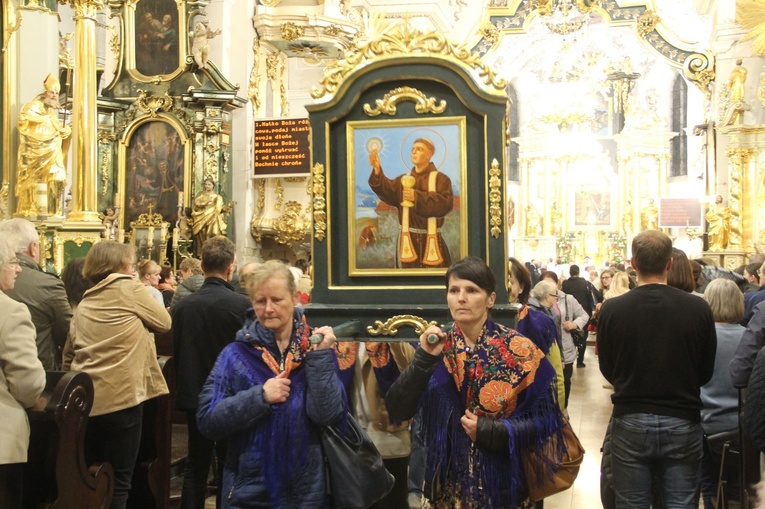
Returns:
<point x="129" y="28"/>
<point x="448" y="133"/>
<point x="122" y="157"/>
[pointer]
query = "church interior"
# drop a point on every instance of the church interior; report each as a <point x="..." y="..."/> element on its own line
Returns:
<point x="567" y="127"/>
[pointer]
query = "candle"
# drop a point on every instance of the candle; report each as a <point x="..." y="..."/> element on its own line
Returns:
<point x="117" y="200"/>
<point x="121" y="235"/>
<point x="163" y="231"/>
<point x="151" y="236"/>
<point x="176" y="236"/>
<point x="180" y="199"/>
<point x="42" y="197"/>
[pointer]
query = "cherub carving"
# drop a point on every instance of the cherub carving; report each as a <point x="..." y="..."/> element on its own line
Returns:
<point x="200" y="48"/>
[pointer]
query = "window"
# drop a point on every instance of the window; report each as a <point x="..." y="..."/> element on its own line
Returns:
<point x="679" y="162"/>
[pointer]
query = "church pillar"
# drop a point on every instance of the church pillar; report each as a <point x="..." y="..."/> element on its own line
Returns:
<point x="85" y="147"/>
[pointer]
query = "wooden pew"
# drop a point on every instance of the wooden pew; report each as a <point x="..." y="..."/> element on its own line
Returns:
<point x="151" y="477"/>
<point x="56" y="474"/>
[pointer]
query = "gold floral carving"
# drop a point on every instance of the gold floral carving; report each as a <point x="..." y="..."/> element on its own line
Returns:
<point x="148" y="219"/>
<point x="291" y="32"/>
<point x="391" y="325"/>
<point x="272" y="67"/>
<point x="291" y="226"/>
<point x="285" y="104"/>
<point x="647" y="22"/>
<point x="86" y="9"/>
<point x="333" y="30"/>
<point x="404" y="41"/>
<point x="270" y="3"/>
<point x="319" y="202"/>
<point x="495" y="199"/>
<point x="261" y="196"/>
<point x="11" y="22"/>
<point x="294" y="179"/>
<point x="422" y="103"/>
<point x="738" y="159"/>
<point x="253" y="85"/>
<point x="279" y="195"/>
<point x="490" y="33"/>
<point x="700" y="69"/>
<point x="152" y="104"/>
<point x="104" y="172"/>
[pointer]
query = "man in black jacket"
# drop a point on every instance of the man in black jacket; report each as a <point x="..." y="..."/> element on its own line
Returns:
<point x="657" y="347"/>
<point x="203" y="323"/>
<point x="582" y="290"/>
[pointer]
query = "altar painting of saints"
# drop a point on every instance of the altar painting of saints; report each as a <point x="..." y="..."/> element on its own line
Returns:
<point x="405" y="194"/>
<point x="156" y="37"/>
<point x="154" y="177"/>
<point x="592" y="208"/>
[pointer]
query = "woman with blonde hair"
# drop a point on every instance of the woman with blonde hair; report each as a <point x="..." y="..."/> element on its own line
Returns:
<point x="149" y="274"/>
<point x="110" y="339"/>
<point x="620" y="284"/>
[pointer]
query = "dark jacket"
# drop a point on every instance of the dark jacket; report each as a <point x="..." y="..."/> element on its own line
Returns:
<point x="657" y="347"/>
<point x="751" y="342"/>
<point x="203" y="323"/>
<point x="579" y="288"/>
<point x="45" y="296"/>
<point x="186" y="288"/>
<point x="753" y="418"/>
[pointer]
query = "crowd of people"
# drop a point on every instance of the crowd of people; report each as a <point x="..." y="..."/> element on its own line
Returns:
<point x="451" y="418"/>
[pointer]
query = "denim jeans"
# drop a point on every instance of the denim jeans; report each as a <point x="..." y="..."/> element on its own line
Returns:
<point x="115" y="438"/>
<point x="644" y="445"/>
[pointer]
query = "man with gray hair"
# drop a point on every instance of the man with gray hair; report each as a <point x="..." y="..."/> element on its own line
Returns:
<point x="43" y="293"/>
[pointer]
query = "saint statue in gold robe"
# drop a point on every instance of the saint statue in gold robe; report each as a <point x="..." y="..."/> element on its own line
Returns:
<point x="44" y="140"/>
<point x="719" y="225"/>
<point x="207" y="215"/>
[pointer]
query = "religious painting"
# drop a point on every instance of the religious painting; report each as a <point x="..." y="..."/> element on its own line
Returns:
<point x="406" y="196"/>
<point x="592" y="207"/>
<point x="148" y="243"/>
<point x="156" y="37"/>
<point x="154" y="177"/>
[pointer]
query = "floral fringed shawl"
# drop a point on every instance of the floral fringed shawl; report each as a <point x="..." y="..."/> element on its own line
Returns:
<point x="504" y="377"/>
<point x="282" y="439"/>
<point x="539" y="328"/>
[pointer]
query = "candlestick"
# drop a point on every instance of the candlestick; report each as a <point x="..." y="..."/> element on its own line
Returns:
<point x="163" y="231"/>
<point x="151" y="236"/>
<point x="176" y="236"/>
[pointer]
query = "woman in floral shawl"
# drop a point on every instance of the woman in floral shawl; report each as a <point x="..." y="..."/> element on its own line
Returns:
<point x="487" y="394"/>
<point x="268" y="393"/>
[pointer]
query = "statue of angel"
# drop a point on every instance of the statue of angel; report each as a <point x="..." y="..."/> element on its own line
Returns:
<point x="200" y="48"/>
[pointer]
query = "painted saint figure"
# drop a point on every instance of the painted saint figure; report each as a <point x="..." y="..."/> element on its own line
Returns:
<point x="423" y="197"/>
<point x="44" y="140"/>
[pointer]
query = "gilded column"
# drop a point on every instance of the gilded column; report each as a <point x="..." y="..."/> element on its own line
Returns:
<point x="84" y="115"/>
<point x="741" y="221"/>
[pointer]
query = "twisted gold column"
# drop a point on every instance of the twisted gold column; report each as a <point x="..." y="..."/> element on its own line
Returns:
<point x="742" y="227"/>
<point x="84" y="115"/>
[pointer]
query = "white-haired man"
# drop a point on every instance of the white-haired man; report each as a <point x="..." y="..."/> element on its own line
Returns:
<point x="43" y="293"/>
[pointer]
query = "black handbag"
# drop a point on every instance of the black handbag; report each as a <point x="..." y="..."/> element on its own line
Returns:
<point x="357" y="475"/>
<point x="578" y="336"/>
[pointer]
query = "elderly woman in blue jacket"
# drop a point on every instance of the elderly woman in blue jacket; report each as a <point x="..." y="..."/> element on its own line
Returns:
<point x="268" y="393"/>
